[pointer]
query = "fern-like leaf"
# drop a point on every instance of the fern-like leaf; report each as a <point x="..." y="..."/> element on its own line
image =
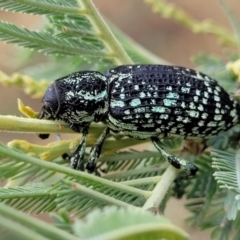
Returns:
<point x="62" y="35"/>
<point x="45" y="41"/>
<point x="41" y="6"/>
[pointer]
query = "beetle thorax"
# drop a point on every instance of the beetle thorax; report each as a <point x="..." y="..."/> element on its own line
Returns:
<point x="84" y="97"/>
<point x="79" y="98"/>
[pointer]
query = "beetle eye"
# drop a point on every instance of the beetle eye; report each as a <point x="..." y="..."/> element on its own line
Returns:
<point x="51" y="100"/>
<point x="51" y="103"/>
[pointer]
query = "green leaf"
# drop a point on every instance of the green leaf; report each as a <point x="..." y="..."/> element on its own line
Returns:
<point x="227" y="170"/>
<point x="22" y="226"/>
<point x="71" y="30"/>
<point x="89" y="191"/>
<point x="126" y="224"/>
<point x="47" y="42"/>
<point x="41" y="6"/>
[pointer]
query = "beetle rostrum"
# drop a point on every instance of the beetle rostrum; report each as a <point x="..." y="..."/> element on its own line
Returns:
<point x="141" y="101"/>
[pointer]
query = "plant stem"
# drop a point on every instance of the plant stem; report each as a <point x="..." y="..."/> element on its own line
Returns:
<point x="33" y="223"/>
<point x="161" y="189"/>
<point x="30" y="125"/>
<point x="93" y="194"/>
<point x="147" y="180"/>
<point x="18" y="230"/>
<point x="70" y="172"/>
<point x="113" y="45"/>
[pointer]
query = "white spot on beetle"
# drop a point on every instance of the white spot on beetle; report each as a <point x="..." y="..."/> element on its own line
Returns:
<point x="178" y="111"/>
<point x="172" y="95"/>
<point x="198" y="92"/>
<point x="233" y="113"/>
<point x="135" y="102"/>
<point x="164" y="116"/>
<point x="204" y="101"/>
<point x="218" y="88"/>
<point x="122" y="96"/>
<point x="186" y="120"/>
<point x="206" y="95"/>
<point x="142" y="94"/>
<point x="169" y="88"/>
<point x="206" y="83"/>
<point x="204" y="115"/>
<point x="185" y="89"/>
<point x="183" y="105"/>
<point x="158" y="109"/>
<point x="139" y="110"/>
<point x="216" y="98"/>
<point x="169" y="102"/>
<point x="218" y="117"/>
<point x="174" y="130"/>
<point x="115" y="103"/>
<point x="218" y="105"/>
<point x="148" y="125"/>
<point x="200" y="107"/>
<point x="153" y="101"/>
<point x="192" y="105"/>
<point x="195" y="98"/>
<point x="212" y="124"/>
<point x="179" y="118"/>
<point x="209" y="90"/>
<point x="192" y="113"/>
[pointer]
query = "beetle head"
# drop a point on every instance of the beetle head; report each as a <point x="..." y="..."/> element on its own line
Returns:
<point x="51" y="103"/>
<point x="77" y="99"/>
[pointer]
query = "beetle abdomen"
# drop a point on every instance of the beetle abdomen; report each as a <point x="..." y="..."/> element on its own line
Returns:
<point x="164" y="100"/>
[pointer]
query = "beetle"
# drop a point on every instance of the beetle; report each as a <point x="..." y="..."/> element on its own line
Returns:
<point x="140" y="101"/>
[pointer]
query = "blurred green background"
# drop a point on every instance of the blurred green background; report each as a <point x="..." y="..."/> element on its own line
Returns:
<point x="165" y="38"/>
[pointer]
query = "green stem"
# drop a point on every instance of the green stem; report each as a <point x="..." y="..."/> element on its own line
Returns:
<point x="140" y="181"/>
<point x="161" y="189"/>
<point x="19" y="231"/>
<point x="30" y="125"/>
<point x="70" y="172"/>
<point x="132" y="172"/>
<point x="30" y="194"/>
<point x="93" y="194"/>
<point x="121" y="56"/>
<point x="33" y="223"/>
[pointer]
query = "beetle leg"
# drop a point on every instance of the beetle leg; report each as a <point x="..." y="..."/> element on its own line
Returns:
<point x="96" y="151"/>
<point x="176" y="162"/>
<point x="78" y="155"/>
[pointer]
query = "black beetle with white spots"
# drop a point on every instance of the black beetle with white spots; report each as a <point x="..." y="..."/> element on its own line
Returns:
<point x="140" y="101"/>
